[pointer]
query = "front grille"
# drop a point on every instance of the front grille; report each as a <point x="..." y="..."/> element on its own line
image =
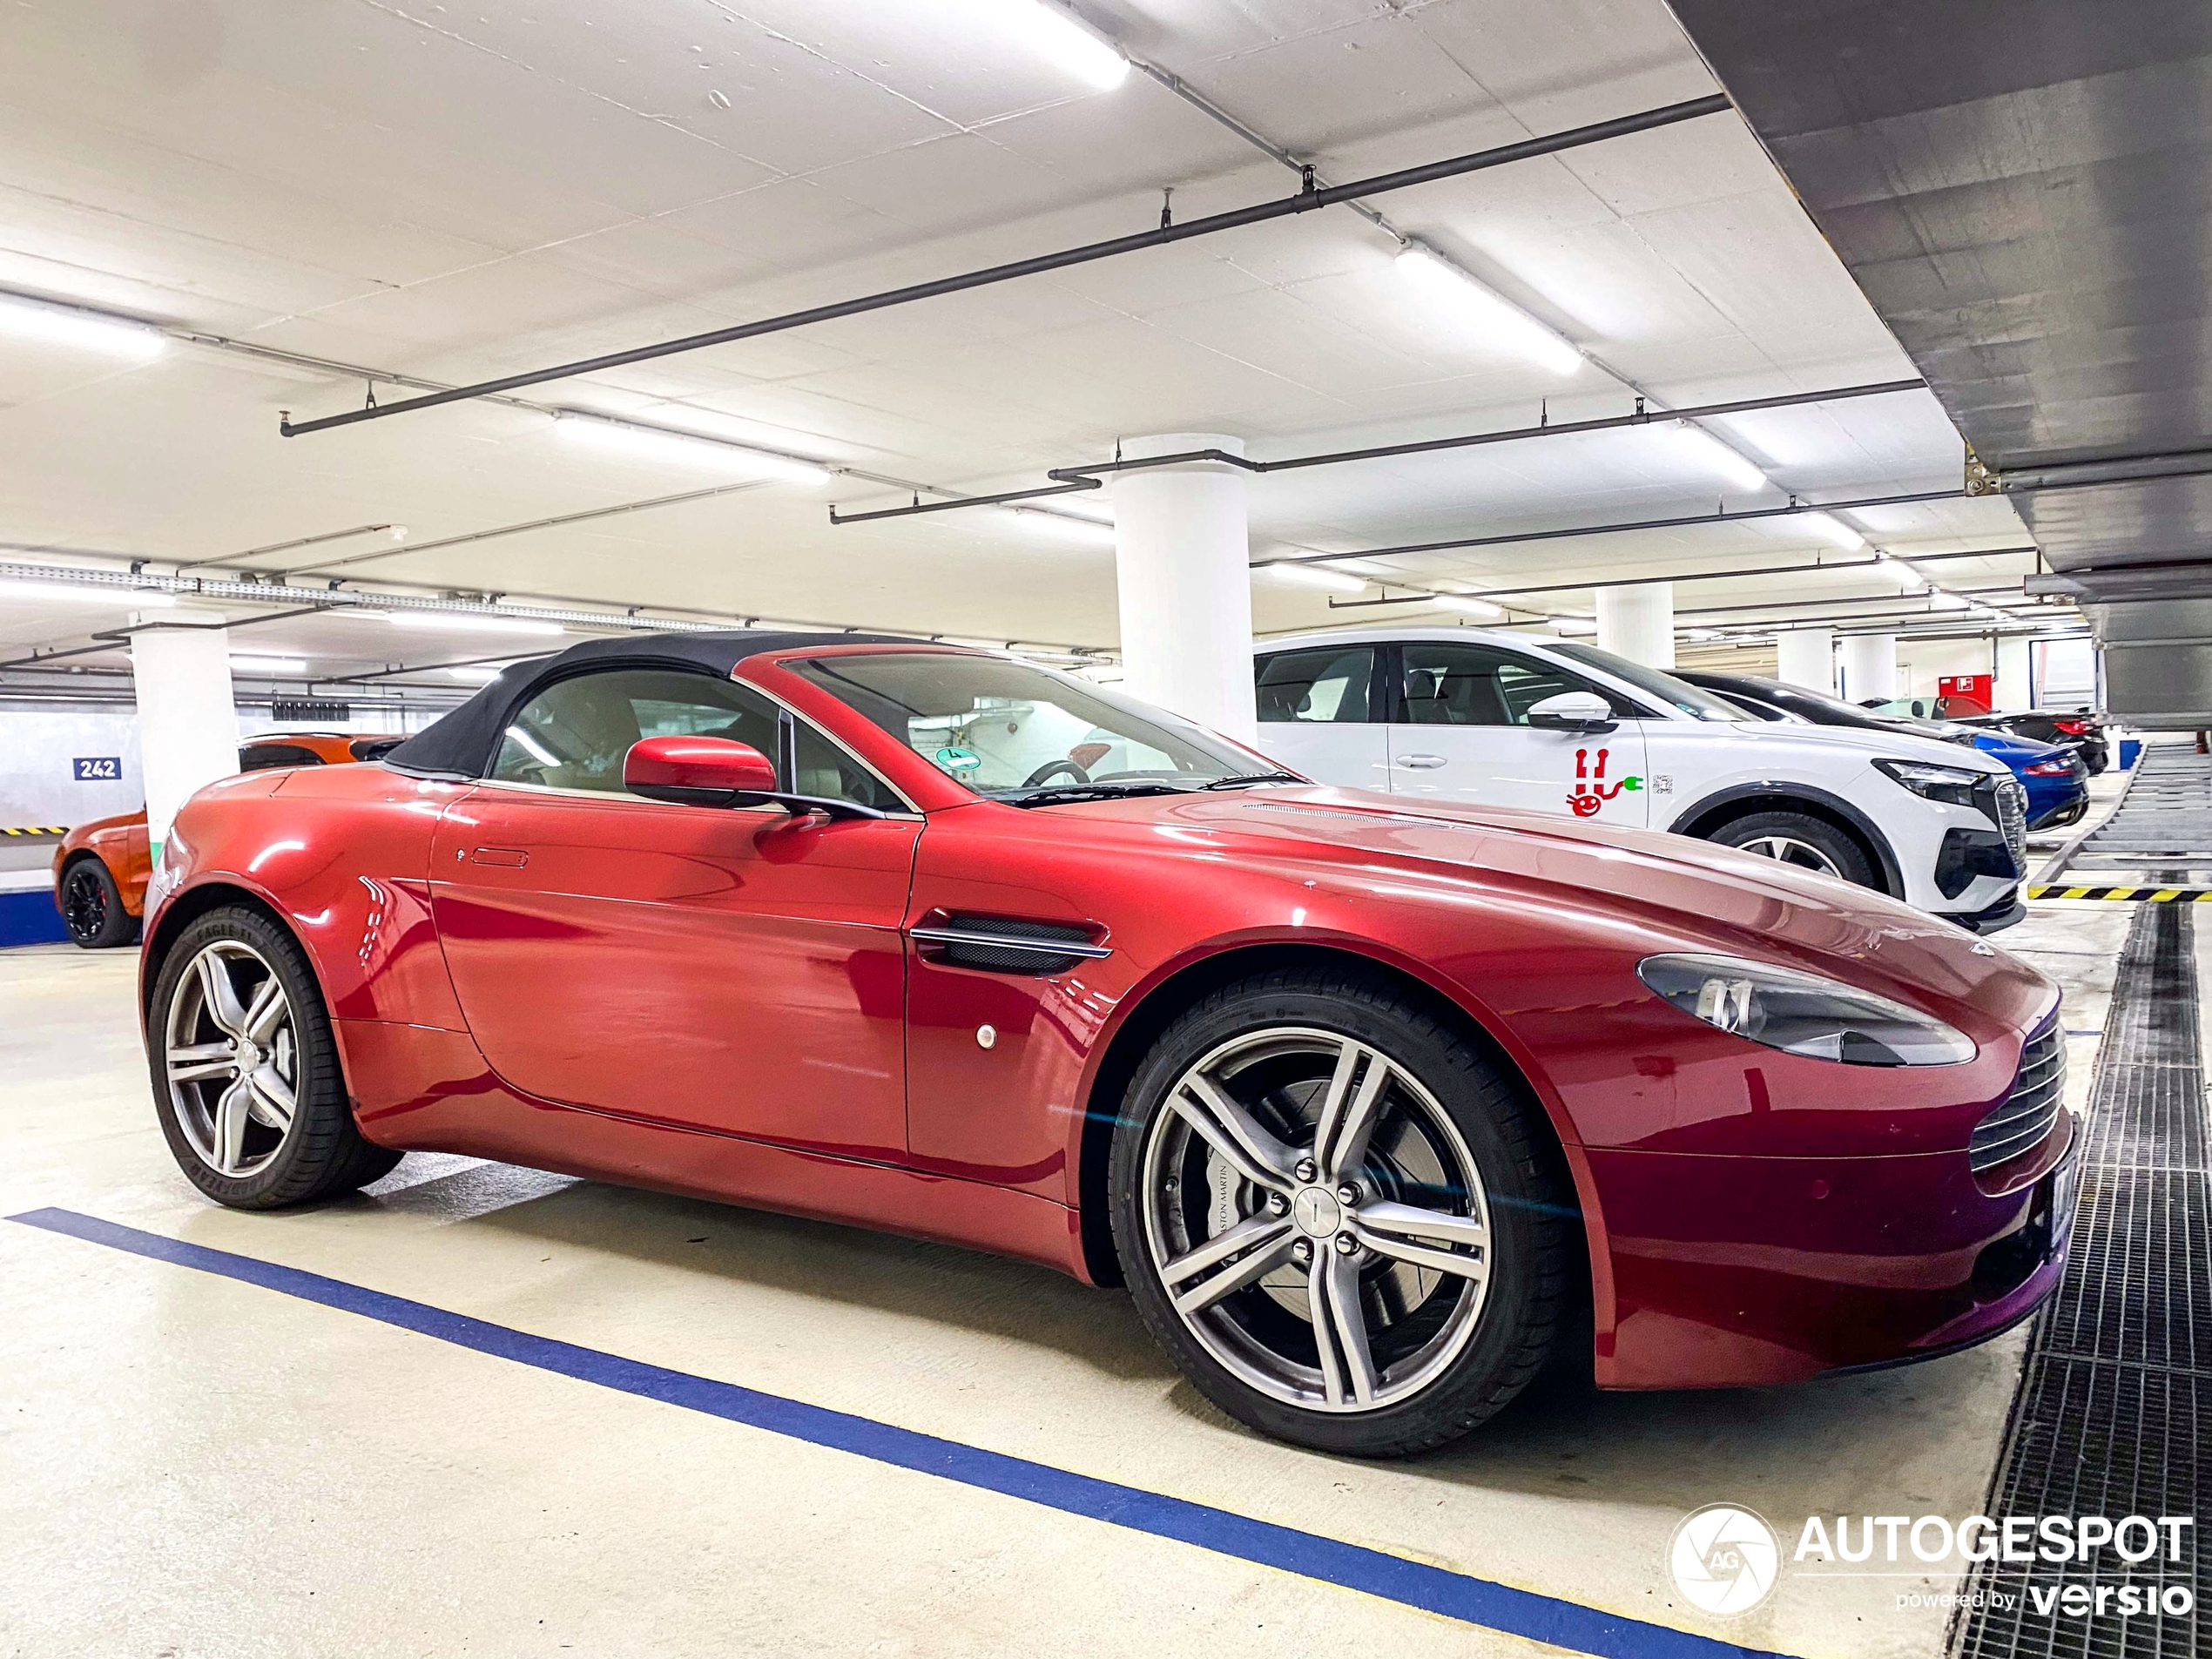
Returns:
<point x="2011" y="817"/>
<point x="2020" y="1121"/>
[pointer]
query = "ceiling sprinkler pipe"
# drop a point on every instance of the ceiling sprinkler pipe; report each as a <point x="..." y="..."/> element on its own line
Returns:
<point x="1304" y="201"/>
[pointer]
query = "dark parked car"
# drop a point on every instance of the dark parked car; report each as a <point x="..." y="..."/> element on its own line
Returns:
<point x="2055" y="777"/>
<point x="2083" y="733"/>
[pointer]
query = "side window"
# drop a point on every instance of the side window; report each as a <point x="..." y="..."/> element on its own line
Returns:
<point x="819" y="768"/>
<point x="1329" y="685"/>
<point x="1448" y="684"/>
<point x="575" y="734"/>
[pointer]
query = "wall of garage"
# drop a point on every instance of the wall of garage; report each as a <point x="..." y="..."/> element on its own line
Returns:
<point x="39" y="748"/>
<point x="41" y="744"/>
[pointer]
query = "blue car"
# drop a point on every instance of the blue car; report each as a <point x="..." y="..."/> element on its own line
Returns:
<point x="2057" y="782"/>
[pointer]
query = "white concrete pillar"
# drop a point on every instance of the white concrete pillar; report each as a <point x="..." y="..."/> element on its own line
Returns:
<point x="1869" y="666"/>
<point x="1806" y="656"/>
<point x="187" y="715"/>
<point x="1638" y="623"/>
<point x="1182" y="557"/>
<point x="2011" y="689"/>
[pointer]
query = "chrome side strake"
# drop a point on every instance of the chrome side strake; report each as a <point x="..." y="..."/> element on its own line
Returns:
<point x="1010" y="941"/>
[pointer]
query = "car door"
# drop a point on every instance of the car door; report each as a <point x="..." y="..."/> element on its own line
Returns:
<point x="1460" y="731"/>
<point x="736" y="970"/>
<point x="1321" y="714"/>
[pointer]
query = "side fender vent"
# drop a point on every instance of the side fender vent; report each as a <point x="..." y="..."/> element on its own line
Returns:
<point x="1006" y="945"/>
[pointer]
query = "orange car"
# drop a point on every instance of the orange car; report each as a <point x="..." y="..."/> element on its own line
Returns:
<point x="101" y="868"/>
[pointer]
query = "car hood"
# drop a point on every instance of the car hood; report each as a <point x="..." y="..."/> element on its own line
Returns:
<point x="1678" y="893"/>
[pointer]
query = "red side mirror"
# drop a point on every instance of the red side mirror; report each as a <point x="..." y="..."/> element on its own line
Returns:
<point x="697" y="772"/>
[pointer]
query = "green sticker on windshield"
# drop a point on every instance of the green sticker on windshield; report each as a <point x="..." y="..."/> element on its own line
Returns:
<point x="959" y="759"/>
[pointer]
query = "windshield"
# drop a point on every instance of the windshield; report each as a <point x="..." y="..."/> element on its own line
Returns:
<point x="1007" y="729"/>
<point x="1833" y="711"/>
<point x="1681" y="694"/>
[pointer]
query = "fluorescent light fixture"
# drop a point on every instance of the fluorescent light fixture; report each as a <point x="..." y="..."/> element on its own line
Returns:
<point x="684" y="448"/>
<point x="1312" y="575"/>
<point x="452" y="619"/>
<point x="1913" y="580"/>
<point x="1947" y="601"/>
<point x="1572" y="624"/>
<point x="1716" y="456"/>
<point x="65" y="325"/>
<point x="1828" y="528"/>
<point x="1701" y="633"/>
<point x="1496" y="318"/>
<point x="68" y="593"/>
<point x="246" y="665"/>
<point x="1481" y="608"/>
<point x="1065" y="527"/>
<point x="1056" y="35"/>
<point x="475" y="676"/>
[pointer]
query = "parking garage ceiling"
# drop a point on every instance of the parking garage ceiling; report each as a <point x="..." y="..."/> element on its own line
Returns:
<point x="422" y="192"/>
<point x="2028" y="207"/>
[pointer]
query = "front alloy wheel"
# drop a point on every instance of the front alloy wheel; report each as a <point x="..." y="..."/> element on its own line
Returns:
<point x="1346" y="1221"/>
<point x="1341" y="1203"/>
<point x="1787" y="849"/>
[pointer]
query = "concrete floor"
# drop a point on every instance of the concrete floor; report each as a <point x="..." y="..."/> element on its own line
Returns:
<point x="197" y="1467"/>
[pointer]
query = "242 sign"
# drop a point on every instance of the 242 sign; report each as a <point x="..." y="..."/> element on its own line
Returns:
<point x="98" y="769"/>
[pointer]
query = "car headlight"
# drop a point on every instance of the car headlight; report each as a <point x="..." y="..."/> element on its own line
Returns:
<point x="1803" y="1014"/>
<point x="1953" y="784"/>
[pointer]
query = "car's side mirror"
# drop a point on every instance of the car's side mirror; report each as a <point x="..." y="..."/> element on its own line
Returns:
<point x="1573" y="711"/>
<point x="718" y="771"/>
<point x="697" y="772"/>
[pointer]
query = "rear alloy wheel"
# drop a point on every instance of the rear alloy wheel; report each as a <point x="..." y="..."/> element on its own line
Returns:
<point x="92" y="907"/>
<point x="1339" y="1218"/>
<point x="1800" y="839"/>
<point x="245" y="1073"/>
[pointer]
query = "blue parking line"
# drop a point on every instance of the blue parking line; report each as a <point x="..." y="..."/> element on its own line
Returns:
<point x="1473" y="1600"/>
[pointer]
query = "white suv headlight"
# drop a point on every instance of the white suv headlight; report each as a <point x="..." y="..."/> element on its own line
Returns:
<point x="1803" y="1014"/>
<point x="1956" y="785"/>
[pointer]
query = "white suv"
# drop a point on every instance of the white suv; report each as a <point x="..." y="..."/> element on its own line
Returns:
<point x="1507" y="719"/>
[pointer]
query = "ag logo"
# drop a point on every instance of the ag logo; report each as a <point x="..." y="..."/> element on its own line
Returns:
<point x="1724" y="1560"/>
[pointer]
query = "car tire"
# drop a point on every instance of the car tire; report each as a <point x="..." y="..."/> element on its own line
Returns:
<point x="1800" y="839"/>
<point x="226" y="1054"/>
<point x="91" y="907"/>
<point x="1465" y="1263"/>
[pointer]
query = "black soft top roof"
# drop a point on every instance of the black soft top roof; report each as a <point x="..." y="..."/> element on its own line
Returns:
<point x="462" y="743"/>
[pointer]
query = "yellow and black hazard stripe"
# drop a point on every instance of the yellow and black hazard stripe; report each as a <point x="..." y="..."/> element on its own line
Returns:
<point x="37" y="829"/>
<point x="2139" y="895"/>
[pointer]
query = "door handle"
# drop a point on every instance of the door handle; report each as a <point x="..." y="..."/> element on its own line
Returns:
<point x="507" y="857"/>
<point x="1419" y="763"/>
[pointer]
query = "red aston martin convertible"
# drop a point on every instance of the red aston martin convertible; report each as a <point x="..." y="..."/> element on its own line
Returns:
<point x="1374" y="1111"/>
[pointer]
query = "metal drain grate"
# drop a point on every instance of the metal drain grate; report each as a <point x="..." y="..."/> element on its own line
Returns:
<point x="2119" y="1373"/>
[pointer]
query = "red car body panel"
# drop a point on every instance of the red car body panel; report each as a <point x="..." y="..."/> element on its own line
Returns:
<point x="121" y="843"/>
<point x="583" y="934"/>
<point x="729" y="1004"/>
